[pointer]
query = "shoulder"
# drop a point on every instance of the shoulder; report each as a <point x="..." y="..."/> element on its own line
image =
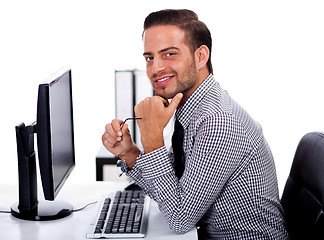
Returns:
<point x="215" y="108"/>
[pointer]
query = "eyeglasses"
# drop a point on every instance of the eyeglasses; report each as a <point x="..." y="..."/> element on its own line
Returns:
<point x="131" y="118"/>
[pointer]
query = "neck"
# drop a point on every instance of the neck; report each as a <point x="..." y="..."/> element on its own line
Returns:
<point x="202" y="75"/>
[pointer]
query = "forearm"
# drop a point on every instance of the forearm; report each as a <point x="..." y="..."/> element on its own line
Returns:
<point x="136" y="173"/>
<point x="158" y="180"/>
<point x="152" y="141"/>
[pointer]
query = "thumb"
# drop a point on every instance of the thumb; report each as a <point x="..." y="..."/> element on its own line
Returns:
<point x="175" y="102"/>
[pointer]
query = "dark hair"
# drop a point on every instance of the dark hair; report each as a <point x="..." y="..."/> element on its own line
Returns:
<point x="197" y="33"/>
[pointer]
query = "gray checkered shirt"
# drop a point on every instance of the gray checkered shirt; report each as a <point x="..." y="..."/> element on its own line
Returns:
<point x="229" y="185"/>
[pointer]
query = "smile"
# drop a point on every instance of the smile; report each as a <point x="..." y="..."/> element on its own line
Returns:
<point x="163" y="81"/>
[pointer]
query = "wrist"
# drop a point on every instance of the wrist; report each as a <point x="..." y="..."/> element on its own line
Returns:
<point x="130" y="156"/>
<point x="152" y="144"/>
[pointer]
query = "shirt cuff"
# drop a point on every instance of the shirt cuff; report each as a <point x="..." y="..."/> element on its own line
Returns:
<point x="154" y="164"/>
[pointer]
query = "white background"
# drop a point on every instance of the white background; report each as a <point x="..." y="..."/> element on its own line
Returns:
<point x="269" y="55"/>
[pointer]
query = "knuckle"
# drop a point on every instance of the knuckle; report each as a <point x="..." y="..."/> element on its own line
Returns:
<point x="148" y="99"/>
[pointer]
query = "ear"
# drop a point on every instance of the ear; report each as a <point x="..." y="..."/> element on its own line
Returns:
<point x="202" y="56"/>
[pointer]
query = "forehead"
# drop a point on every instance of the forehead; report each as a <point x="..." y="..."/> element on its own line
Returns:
<point x="163" y="36"/>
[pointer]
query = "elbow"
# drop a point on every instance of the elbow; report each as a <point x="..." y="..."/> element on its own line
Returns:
<point x="180" y="228"/>
<point x="179" y="221"/>
<point x="181" y="231"/>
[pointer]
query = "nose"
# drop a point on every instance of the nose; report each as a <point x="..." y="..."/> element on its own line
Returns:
<point x="158" y="66"/>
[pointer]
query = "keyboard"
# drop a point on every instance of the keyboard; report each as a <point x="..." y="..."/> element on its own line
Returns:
<point x="122" y="214"/>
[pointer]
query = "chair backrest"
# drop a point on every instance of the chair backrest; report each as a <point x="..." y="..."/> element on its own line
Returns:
<point x="303" y="196"/>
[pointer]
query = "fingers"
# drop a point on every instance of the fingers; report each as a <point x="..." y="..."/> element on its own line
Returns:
<point x="157" y="109"/>
<point x="109" y="138"/>
<point x="165" y="102"/>
<point x="116" y="128"/>
<point x="175" y="102"/>
<point x="124" y="128"/>
<point x="114" y="132"/>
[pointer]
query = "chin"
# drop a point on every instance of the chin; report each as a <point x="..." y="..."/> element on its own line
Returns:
<point x="167" y="92"/>
<point x="165" y="95"/>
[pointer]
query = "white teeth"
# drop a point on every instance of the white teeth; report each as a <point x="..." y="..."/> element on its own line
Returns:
<point x="163" y="79"/>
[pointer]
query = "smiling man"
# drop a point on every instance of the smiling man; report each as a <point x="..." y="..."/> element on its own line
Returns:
<point x="220" y="174"/>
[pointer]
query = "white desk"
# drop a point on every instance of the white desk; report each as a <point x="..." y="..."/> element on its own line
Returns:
<point x="76" y="225"/>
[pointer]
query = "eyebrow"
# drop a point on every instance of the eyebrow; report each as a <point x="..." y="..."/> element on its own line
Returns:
<point x="162" y="50"/>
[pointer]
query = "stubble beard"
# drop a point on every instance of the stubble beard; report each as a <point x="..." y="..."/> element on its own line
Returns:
<point x="185" y="81"/>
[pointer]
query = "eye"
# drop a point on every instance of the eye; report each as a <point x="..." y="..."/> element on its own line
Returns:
<point x="169" y="54"/>
<point x="149" y="59"/>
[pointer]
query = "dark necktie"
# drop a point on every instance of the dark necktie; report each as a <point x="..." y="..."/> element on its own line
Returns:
<point x="177" y="145"/>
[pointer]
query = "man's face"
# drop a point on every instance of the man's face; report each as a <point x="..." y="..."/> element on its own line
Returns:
<point x="169" y="62"/>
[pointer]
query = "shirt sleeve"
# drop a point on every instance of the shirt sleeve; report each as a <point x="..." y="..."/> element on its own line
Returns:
<point x="216" y="150"/>
<point x="150" y="167"/>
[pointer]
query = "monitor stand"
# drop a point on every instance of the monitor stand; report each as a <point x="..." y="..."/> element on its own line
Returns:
<point x="28" y="207"/>
<point x="45" y="210"/>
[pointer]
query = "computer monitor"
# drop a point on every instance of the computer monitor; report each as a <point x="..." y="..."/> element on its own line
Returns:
<point x="56" y="156"/>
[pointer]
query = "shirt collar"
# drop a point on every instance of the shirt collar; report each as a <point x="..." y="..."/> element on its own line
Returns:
<point x="185" y="112"/>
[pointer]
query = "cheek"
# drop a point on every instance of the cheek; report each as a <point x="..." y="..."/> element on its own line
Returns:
<point x="148" y="70"/>
<point x="149" y="74"/>
<point x="182" y="64"/>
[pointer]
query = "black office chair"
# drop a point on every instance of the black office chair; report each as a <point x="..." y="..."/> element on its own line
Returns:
<point x="303" y="196"/>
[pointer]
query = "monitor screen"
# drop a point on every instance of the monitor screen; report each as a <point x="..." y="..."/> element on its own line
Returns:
<point x="55" y="138"/>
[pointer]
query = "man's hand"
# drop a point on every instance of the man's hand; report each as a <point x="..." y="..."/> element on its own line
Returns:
<point x="118" y="141"/>
<point x="155" y="112"/>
